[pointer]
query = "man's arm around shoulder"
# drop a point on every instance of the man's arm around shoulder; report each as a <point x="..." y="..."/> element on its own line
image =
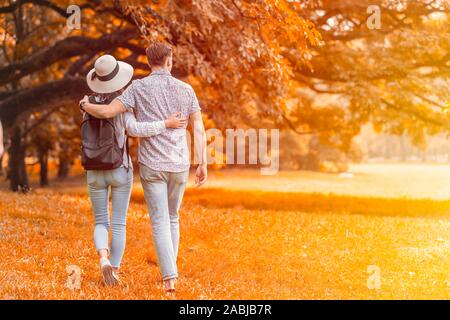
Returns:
<point x="103" y="111"/>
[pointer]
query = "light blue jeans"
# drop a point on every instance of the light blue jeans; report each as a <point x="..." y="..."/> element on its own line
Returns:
<point x="163" y="193"/>
<point x="120" y="181"/>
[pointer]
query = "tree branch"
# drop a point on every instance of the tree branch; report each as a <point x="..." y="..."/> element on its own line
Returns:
<point x="64" y="49"/>
<point x="38" y="122"/>
<point x="324" y="71"/>
<point x="416" y="114"/>
<point x="43" y="3"/>
<point x="77" y="67"/>
<point x="16" y="107"/>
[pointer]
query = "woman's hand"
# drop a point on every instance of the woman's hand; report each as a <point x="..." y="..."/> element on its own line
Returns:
<point x="175" y="122"/>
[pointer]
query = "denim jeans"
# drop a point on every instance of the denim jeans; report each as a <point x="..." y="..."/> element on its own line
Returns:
<point x="120" y="181"/>
<point x="163" y="193"/>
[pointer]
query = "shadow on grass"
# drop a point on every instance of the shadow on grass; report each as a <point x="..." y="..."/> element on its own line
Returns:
<point x="217" y="198"/>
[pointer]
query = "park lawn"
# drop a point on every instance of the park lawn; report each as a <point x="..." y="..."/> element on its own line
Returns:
<point x="236" y="244"/>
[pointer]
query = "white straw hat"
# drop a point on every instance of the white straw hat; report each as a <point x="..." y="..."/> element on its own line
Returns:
<point x="109" y="75"/>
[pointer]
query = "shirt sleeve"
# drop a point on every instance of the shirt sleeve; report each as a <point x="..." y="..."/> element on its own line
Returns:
<point x="142" y="129"/>
<point x="128" y="98"/>
<point x="195" y="106"/>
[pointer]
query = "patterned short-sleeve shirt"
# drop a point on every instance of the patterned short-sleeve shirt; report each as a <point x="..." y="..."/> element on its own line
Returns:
<point x="155" y="98"/>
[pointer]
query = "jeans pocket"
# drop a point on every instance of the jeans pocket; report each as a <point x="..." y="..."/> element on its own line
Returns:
<point x="150" y="175"/>
<point x="91" y="177"/>
<point x="120" y="176"/>
<point x="182" y="177"/>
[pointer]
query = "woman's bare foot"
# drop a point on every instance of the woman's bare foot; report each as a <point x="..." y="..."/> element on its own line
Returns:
<point x="169" y="285"/>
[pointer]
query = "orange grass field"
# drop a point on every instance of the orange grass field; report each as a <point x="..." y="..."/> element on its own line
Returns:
<point x="297" y="235"/>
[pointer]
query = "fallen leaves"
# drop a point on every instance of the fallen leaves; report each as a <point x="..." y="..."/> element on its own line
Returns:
<point x="234" y="245"/>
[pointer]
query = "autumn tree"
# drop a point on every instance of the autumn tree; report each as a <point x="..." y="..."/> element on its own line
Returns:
<point x="256" y="63"/>
<point x="229" y="49"/>
<point x="395" y="76"/>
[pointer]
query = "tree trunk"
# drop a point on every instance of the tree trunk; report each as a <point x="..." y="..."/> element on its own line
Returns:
<point x="63" y="169"/>
<point x="64" y="162"/>
<point x="43" y="163"/>
<point x="1" y="166"/>
<point x="17" y="168"/>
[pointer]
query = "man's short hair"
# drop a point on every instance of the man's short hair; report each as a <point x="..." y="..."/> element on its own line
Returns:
<point x="157" y="53"/>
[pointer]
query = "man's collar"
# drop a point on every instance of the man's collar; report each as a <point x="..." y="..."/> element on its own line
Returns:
<point x="161" y="72"/>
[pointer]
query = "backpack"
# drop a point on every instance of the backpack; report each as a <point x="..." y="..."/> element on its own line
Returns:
<point x="99" y="146"/>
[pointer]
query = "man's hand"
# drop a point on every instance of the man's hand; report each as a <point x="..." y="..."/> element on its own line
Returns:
<point x="175" y="122"/>
<point x="84" y="100"/>
<point x="201" y="175"/>
<point x="82" y="103"/>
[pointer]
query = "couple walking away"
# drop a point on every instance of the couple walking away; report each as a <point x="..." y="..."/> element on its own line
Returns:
<point x="157" y="109"/>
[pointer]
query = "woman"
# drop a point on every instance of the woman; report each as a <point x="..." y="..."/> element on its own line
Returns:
<point x="107" y="80"/>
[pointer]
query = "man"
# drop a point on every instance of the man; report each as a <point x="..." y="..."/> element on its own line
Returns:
<point x="163" y="159"/>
